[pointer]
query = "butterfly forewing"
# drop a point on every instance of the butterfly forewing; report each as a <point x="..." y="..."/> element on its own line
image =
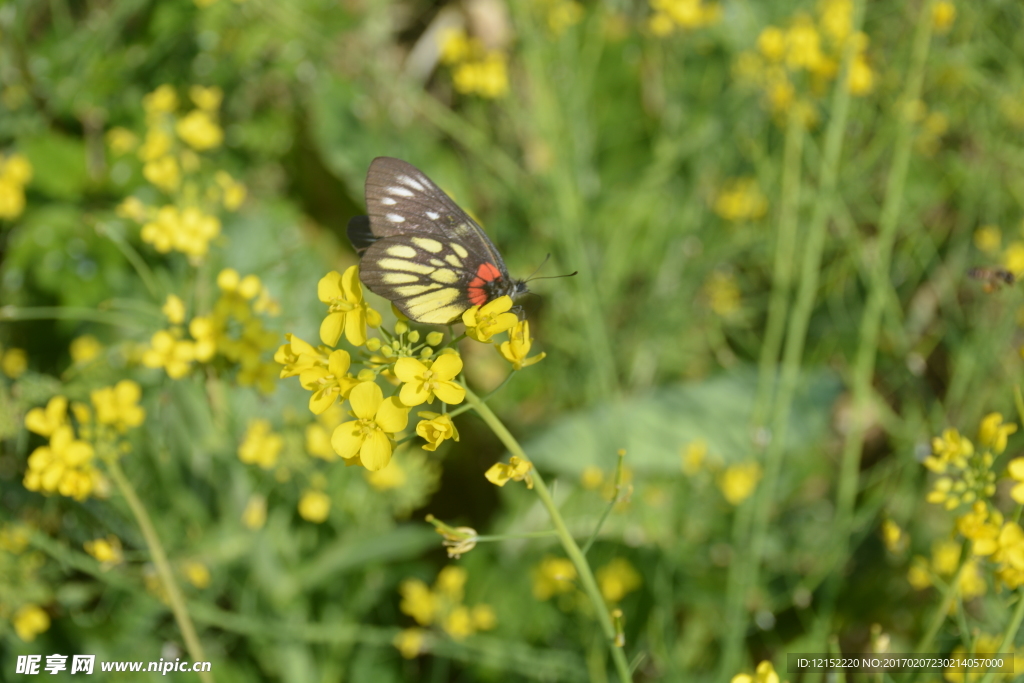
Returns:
<point x="420" y="250"/>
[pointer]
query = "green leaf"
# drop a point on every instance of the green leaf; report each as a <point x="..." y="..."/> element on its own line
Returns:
<point x="58" y="165"/>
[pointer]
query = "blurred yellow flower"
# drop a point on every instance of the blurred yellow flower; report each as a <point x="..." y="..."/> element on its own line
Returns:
<point x="163" y="172"/>
<point x="517" y="469"/>
<point x="417" y="601"/>
<point x="174" y="309"/>
<point x="410" y="642"/>
<point x="1013" y="258"/>
<point x="723" y="293"/>
<point x="943" y="15"/>
<point x="14" y="538"/>
<point x="391" y="477"/>
<point x="563" y="14"/>
<point x="592" y="477"/>
<point x="765" y="673"/>
<point x="208" y="99"/>
<point x="918" y="576"/>
<point x="106" y="550"/>
<point x="949" y="449"/>
<point x="260" y="446"/>
<point x="234" y="191"/>
<point x="255" y="514"/>
<point x="738" y="482"/>
<point x="14" y="363"/>
<point x="616" y="579"/>
<point x="861" y="78"/>
<point x="160" y="101"/>
<point x="993" y="433"/>
<point x="118" y="406"/>
<point x="157" y="145"/>
<point x="892" y="536"/>
<point x="368" y="439"/>
<point x="197" y="573"/>
<point x="771" y="43"/>
<point x="314" y="506"/>
<point x="837" y="20"/>
<point x="29" y="621"/>
<point x="487" y="77"/>
<point x="972" y="581"/>
<point x="435" y="428"/>
<point x="686" y="14"/>
<point x="15" y="173"/>
<point x="199" y="130"/>
<point x="553" y="576"/>
<point x="84" y="349"/>
<point x="45" y="421"/>
<point x="693" y="456"/>
<point x="945" y="557"/>
<point x="988" y="238"/>
<point x="741" y="199"/>
<point x="121" y="141"/>
<point x="458" y="623"/>
<point x="188" y="231"/>
<point x="174" y="355"/>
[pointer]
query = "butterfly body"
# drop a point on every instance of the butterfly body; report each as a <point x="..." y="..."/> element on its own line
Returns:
<point x="419" y="250"/>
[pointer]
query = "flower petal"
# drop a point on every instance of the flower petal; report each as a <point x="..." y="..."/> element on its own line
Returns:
<point x="414" y="394"/>
<point x="322" y="400"/>
<point x="330" y="328"/>
<point x="392" y="416"/>
<point x="347" y="439"/>
<point x="329" y="287"/>
<point x="350" y="284"/>
<point x="447" y="366"/>
<point x="365" y="399"/>
<point x="339" y="363"/>
<point x="449" y="392"/>
<point x="409" y="369"/>
<point x="376" y="451"/>
<point x="355" y="327"/>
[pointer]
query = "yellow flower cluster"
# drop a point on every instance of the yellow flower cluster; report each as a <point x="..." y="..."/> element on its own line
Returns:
<point x="741" y="200"/>
<point x="170" y="161"/>
<point x="440" y="606"/>
<point x="15" y="174"/>
<point x="738" y="482"/>
<point x="670" y="15"/>
<point x="106" y="550"/>
<point x="764" y="673"/>
<point x="553" y="576"/>
<point x="66" y="465"/>
<point x="20" y="583"/>
<point x="423" y="368"/>
<point x="560" y="14"/>
<point x="260" y="446"/>
<point x="617" y="579"/>
<point x="966" y="474"/>
<point x="234" y="331"/>
<point x="475" y="69"/>
<point x="13" y="362"/>
<point x="806" y="50"/>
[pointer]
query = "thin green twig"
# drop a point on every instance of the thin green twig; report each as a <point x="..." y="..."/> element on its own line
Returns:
<point x="586" y="576"/>
<point x="611" y="504"/>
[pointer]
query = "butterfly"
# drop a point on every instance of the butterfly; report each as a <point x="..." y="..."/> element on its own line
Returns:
<point x="420" y="251"/>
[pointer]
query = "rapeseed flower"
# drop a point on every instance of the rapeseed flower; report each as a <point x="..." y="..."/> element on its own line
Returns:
<point x="118" y="406"/>
<point x="106" y="550"/>
<point x="347" y="312"/>
<point x="166" y="351"/>
<point x="517" y="348"/>
<point x="15" y="174"/>
<point x="686" y="14"/>
<point x="993" y="433"/>
<point x="260" y="446"/>
<point x="737" y="482"/>
<point x="84" y="349"/>
<point x="410" y="642"/>
<point x="314" y="506"/>
<point x="197" y="573"/>
<point x="254" y="516"/>
<point x="616" y="579"/>
<point x="14" y="363"/>
<point x="483" y="322"/>
<point x="199" y="130"/>
<point x="517" y="469"/>
<point x="367" y="440"/>
<point x="435" y="428"/>
<point x="423" y="380"/>
<point x="29" y="621"/>
<point x="741" y="199"/>
<point x="943" y="16"/>
<point x="764" y="673"/>
<point x="553" y="576"/>
<point x="328" y="381"/>
<point x="988" y="238"/>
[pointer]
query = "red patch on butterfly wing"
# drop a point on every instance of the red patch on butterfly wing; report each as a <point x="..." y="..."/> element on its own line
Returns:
<point x="488" y="272"/>
<point x="477" y="295"/>
<point x="485" y="272"/>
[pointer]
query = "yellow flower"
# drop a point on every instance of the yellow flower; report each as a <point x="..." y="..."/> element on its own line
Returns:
<point x="517" y="469"/>
<point x="660" y="24"/>
<point x="161" y="100"/>
<point x="943" y="15"/>
<point x="418" y="601"/>
<point x="14" y="363"/>
<point x="328" y="384"/>
<point x="553" y="576"/>
<point x="368" y="437"/>
<point x="455" y="46"/>
<point x="918" y="576"/>
<point x="987" y="238"/>
<point x="297" y="356"/>
<point x="435" y="428"/>
<point x="207" y="99"/>
<point x="174" y="355"/>
<point x="972" y="581"/>
<point x="771" y="43"/>
<point x="234" y="191"/>
<point x="17" y="169"/>
<point x="30" y="621"/>
<point x="458" y="623"/>
<point x="837" y="20"/>
<point x="861" y="78"/>
<point x="45" y="422"/>
<point x="314" y="506"/>
<point x="892" y="535"/>
<point x="197" y="574"/>
<point x="391" y="477"/>
<point x="484" y="618"/>
<point x="945" y="557"/>
<point x="346" y="309"/>
<point x="121" y="140"/>
<point x="1015" y="469"/>
<point x="687" y="13"/>
<point x="174" y="309"/>
<point x="992" y="433"/>
<point x="422" y="380"/>
<point x="517" y="348"/>
<point x="483" y="322"/>
<point x="260" y="446"/>
<point x="451" y="582"/>
<point x="738" y="482"/>
<point x="949" y="449"/>
<point x="563" y="14"/>
<point x="693" y="456"/>
<point x="1013" y="258"/>
<point x="106" y="550"/>
<point x="741" y="199"/>
<point x="133" y="208"/>
<point x="592" y="477"/>
<point x="255" y="514"/>
<point x="487" y="77"/>
<point x="199" y="130"/>
<point x="765" y="673"/>
<point x="409" y="642"/>
<point x="616" y="579"/>
<point x="163" y="172"/>
<point x="118" y="405"/>
<point x="85" y="348"/>
<point x="157" y="145"/>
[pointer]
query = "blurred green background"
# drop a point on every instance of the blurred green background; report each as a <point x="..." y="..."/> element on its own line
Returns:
<point x="772" y="316"/>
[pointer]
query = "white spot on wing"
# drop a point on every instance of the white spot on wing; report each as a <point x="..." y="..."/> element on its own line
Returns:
<point x="401" y="191"/>
<point x="388" y="201"/>
<point x="394" y="218"/>
<point x="411" y="182"/>
<point x="433" y="215"/>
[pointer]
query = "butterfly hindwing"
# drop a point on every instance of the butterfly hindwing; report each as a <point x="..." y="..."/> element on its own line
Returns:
<point x="420" y="250"/>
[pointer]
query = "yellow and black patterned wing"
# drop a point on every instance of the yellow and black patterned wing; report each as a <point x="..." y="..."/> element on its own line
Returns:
<point x="421" y="251"/>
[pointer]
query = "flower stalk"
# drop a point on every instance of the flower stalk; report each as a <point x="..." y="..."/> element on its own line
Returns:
<point x="586" y="576"/>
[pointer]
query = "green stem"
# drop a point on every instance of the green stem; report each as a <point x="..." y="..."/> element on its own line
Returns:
<point x="949" y="596"/>
<point x="586" y="576"/>
<point x="879" y="289"/>
<point x="70" y="313"/>
<point x="138" y="263"/>
<point x="748" y="566"/>
<point x="163" y="566"/>
<point x="1011" y="632"/>
<point x="608" y="508"/>
<point x="526" y="534"/>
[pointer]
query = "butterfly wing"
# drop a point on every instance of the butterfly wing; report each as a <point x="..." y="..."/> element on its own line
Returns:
<point x="419" y="249"/>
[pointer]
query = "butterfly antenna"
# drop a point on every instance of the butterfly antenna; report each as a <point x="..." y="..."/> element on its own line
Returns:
<point x="547" y="277"/>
